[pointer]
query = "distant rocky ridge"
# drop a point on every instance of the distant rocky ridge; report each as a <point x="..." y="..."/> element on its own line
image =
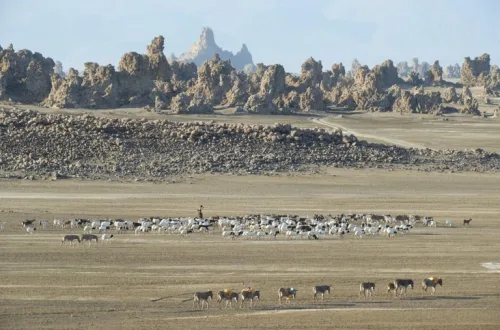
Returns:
<point x="52" y="146"/>
<point x="206" y="47"/>
<point x="150" y="80"/>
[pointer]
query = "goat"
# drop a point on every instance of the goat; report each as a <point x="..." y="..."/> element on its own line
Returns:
<point x="70" y="239"/>
<point x="202" y="297"/>
<point x="431" y="282"/>
<point x="403" y="285"/>
<point x="228" y="296"/>
<point x="391" y="288"/>
<point x="467" y="222"/>
<point x="321" y="289"/>
<point x="30" y="229"/>
<point x="249" y="294"/>
<point x="287" y="293"/>
<point x="106" y="237"/>
<point x="89" y="238"/>
<point x="367" y="288"/>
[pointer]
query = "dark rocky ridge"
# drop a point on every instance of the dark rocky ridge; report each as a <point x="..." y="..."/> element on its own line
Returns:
<point x="38" y="145"/>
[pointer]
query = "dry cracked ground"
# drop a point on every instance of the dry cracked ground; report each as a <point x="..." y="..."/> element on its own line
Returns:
<point x="147" y="281"/>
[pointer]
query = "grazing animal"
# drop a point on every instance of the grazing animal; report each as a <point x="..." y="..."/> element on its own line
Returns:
<point x="229" y="296"/>
<point x="287" y="293"/>
<point x="89" y="238"/>
<point x="43" y="223"/>
<point x="106" y="237"/>
<point x="403" y="285"/>
<point x="70" y="239"/>
<point x="367" y="288"/>
<point x="66" y="223"/>
<point x="202" y="297"/>
<point x="250" y="295"/>
<point x="87" y="229"/>
<point x="321" y="289"/>
<point x="391" y="288"/>
<point x="431" y="282"/>
<point x="2" y="224"/>
<point x="449" y="223"/>
<point x="28" y="223"/>
<point x="467" y="222"/>
<point x="30" y="229"/>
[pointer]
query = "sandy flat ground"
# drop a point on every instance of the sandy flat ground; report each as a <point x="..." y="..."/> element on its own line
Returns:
<point x="45" y="285"/>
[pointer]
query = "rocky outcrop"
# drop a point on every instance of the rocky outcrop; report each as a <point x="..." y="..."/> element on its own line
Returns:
<point x="36" y="145"/>
<point x="214" y="81"/>
<point x="272" y="88"/>
<point x="386" y="74"/>
<point x="311" y="74"/>
<point x="142" y="80"/>
<point x="312" y="99"/>
<point x="434" y="76"/>
<point x="158" y="65"/>
<point x="450" y="95"/>
<point x="206" y="47"/>
<point x="24" y="76"/>
<point x="418" y="101"/>
<point x="474" y="71"/>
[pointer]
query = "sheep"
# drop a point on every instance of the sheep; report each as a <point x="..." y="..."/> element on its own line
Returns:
<point x="87" y="229"/>
<point x="30" y="230"/>
<point x="2" y="224"/>
<point x="43" y="223"/>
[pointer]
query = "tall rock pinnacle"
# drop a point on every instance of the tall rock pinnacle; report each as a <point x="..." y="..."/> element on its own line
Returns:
<point x="205" y="47"/>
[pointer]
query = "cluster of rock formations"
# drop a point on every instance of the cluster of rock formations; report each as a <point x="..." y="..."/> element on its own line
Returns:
<point x="40" y="145"/>
<point x="183" y="87"/>
<point x="479" y="72"/>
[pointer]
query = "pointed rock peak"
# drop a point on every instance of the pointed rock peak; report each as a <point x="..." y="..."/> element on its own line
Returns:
<point x="207" y="36"/>
<point x="244" y="49"/>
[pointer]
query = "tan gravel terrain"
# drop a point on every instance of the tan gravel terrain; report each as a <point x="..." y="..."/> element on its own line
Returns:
<point x="45" y="285"/>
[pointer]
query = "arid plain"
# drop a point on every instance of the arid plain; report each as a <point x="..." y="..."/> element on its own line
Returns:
<point x="45" y="285"/>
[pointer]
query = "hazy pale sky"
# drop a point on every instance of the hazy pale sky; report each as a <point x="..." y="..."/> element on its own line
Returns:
<point x="275" y="31"/>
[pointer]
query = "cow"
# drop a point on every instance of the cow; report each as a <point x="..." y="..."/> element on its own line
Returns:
<point x="403" y="284"/>
<point x="287" y="293"/>
<point x="367" y="288"/>
<point x="431" y="282"/>
<point x="467" y="222"/>
<point x="202" y="297"/>
<point x="229" y="296"/>
<point x="250" y="295"/>
<point x="321" y="289"/>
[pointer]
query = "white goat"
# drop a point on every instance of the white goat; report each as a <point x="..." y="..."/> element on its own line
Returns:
<point x="30" y="230"/>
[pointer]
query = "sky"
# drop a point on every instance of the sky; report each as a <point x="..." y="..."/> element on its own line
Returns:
<point x="275" y="31"/>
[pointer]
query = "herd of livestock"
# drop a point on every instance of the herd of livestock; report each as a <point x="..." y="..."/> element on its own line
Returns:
<point x="367" y="289"/>
<point x="249" y="227"/>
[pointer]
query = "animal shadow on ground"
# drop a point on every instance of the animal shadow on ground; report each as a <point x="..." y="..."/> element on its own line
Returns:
<point x="444" y="298"/>
<point x="373" y="302"/>
<point x="302" y="307"/>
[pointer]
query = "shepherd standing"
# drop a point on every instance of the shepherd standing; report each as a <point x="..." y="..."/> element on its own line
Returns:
<point x="200" y="212"/>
